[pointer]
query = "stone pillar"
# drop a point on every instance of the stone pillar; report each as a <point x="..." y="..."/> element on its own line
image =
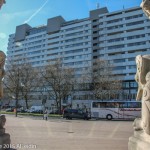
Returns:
<point x="4" y="137"/>
<point x="139" y="141"/>
<point x="141" y="138"/>
<point x="2" y="2"/>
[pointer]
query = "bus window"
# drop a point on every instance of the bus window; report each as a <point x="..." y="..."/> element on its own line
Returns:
<point x="112" y="105"/>
<point x="133" y="105"/>
<point x="116" y="105"/>
<point x="103" y="105"/>
<point x="95" y="105"/>
<point x="123" y="105"/>
<point x="108" y="105"/>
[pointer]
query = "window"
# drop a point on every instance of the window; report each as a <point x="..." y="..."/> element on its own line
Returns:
<point x="137" y="51"/>
<point x="115" y="47"/>
<point x="119" y="68"/>
<point x="112" y="105"/>
<point x="78" y="63"/>
<point x="95" y="44"/>
<point x="67" y="58"/>
<point x="135" y="36"/>
<point x="95" y="20"/>
<point x="51" y="38"/>
<point x="114" y="21"/>
<point x="74" y="28"/>
<point x="36" y="30"/>
<point x="53" y="43"/>
<point x="95" y="32"/>
<point x="135" y="16"/>
<point x="132" y="10"/>
<point x="135" y="44"/>
<point x="134" y="105"/>
<point x="118" y="60"/>
<point x="114" y="14"/>
<point x="115" y="33"/>
<point x="131" y="59"/>
<point x="69" y="64"/>
<point x="115" y="27"/>
<point x="95" y="26"/>
<point x="132" y="67"/>
<point x="74" y="39"/>
<point x="74" y="34"/>
<point x="135" y="23"/>
<point x="73" y="45"/>
<point x="74" y="51"/>
<point x="115" y="40"/>
<point x="123" y="105"/>
<point x="133" y="30"/>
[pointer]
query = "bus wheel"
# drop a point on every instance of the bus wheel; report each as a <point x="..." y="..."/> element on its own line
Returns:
<point x="109" y="117"/>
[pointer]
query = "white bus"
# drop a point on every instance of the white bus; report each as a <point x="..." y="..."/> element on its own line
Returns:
<point x="116" y="109"/>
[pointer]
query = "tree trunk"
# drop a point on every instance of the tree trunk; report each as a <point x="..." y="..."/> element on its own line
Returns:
<point x="16" y="105"/>
<point x="60" y="107"/>
<point x="26" y="101"/>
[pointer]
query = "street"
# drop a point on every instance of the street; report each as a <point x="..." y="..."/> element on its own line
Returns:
<point x="60" y="134"/>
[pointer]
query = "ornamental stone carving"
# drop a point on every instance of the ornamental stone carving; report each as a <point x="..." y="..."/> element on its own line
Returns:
<point x="141" y="138"/>
<point x="143" y="79"/>
<point x="146" y="7"/>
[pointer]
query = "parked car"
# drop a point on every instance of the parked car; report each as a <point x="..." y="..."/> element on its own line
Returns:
<point x="54" y="112"/>
<point x="75" y="113"/>
<point x="36" y="109"/>
<point x="9" y="109"/>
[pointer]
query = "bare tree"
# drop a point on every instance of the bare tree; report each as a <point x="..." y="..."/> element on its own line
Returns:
<point x="29" y="78"/>
<point x="105" y="84"/>
<point x="59" y="81"/>
<point x="20" y="81"/>
<point x="12" y="82"/>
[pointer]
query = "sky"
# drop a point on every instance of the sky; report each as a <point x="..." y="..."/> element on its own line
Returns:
<point x="36" y="12"/>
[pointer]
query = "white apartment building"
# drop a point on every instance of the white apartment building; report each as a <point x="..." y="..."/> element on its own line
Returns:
<point x="122" y="36"/>
<point x="117" y="36"/>
<point x="71" y="42"/>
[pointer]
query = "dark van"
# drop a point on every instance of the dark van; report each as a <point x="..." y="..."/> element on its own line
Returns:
<point x="75" y="113"/>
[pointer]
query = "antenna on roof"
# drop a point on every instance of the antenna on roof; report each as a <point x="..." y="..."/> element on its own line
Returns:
<point x="97" y="5"/>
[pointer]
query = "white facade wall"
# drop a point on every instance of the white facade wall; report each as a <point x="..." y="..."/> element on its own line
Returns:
<point x="122" y="35"/>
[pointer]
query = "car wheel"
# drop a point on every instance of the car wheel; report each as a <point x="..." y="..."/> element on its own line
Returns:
<point x="109" y="117"/>
<point x="69" y="118"/>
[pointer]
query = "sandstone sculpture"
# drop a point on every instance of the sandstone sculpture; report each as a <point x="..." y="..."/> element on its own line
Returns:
<point x="146" y="7"/>
<point x="2" y="71"/>
<point x="143" y="79"/>
<point x="2" y="2"/>
<point x="4" y="137"/>
<point x="2" y="121"/>
<point x="141" y="138"/>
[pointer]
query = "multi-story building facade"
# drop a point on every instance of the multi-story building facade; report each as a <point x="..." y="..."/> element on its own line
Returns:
<point x="122" y="36"/>
<point x="117" y="36"/>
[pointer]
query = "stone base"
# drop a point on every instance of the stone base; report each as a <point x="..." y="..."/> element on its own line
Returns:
<point x="4" y="141"/>
<point x="139" y="141"/>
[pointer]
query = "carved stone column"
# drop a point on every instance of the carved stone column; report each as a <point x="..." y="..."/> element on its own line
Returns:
<point x="141" y="137"/>
<point x="2" y="2"/>
<point x="4" y="137"/>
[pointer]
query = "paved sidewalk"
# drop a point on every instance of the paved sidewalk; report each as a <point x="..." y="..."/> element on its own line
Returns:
<point x="60" y="134"/>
